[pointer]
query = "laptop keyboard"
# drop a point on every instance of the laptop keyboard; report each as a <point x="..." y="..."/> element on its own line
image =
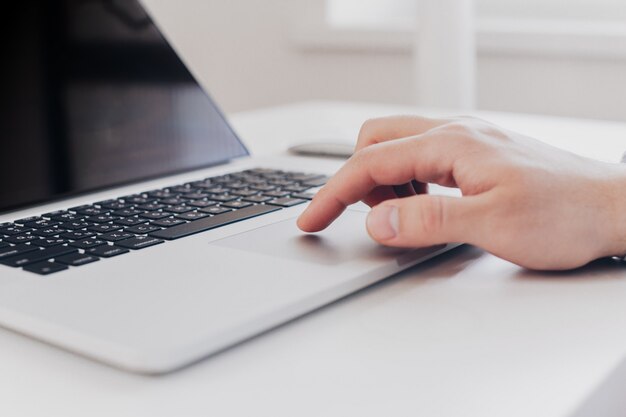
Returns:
<point x="56" y="241"/>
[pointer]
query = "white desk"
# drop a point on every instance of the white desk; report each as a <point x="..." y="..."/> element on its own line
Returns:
<point x="463" y="335"/>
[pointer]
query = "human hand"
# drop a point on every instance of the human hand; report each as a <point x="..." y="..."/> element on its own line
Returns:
<point x="524" y="201"/>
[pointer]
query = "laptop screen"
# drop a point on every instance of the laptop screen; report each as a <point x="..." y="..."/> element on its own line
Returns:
<point x="92" y="96"/>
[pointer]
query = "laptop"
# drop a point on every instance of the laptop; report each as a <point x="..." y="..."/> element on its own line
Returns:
<point x="135" y="228"/>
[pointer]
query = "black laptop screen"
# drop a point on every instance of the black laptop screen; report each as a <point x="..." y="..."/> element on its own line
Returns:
<point x="92" y="97"/>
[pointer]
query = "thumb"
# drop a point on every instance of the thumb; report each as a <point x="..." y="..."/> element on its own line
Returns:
<point x="425" y="220"/>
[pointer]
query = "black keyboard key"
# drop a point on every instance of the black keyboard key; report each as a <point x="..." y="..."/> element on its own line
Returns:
<point x="274" y="177"/>
<point x="129" y="221"/>
<point x="74" y="225"/>
<point x="77" y="235"/>
<point x="216" y="210"/>
<point x="224" y="198"/>
<point x="139" y="200"/>
<point x="201" y="203"/>
<point x="206" y="185"/>
<point x="83" y="207"/>
<point x="160" y="194"/>
<point x="276" y="194"/>
<point x="196" y="196"/>
<point x="263" y="187"/>
<point x="316" y="182"/>
<point x="222" y="179"/>
<point x="116" y="236"/>
<point x="68" y="217"/>
<point x="200" y="182"/>
<point x="287" y="202"/>
<point x="255" y="180"/>
<point x="49" y="241"/>
<point x="167" y="222"/>
<point x="41" y="223"/>
<point x="92" y="211"/>
<point x="104" y="228"/>
<point x="142" y="229"/>
<point x="237" y="185"/>
<point x="45" y="268"/>
<point x="245" y="193"/>
<point x="115" y="205"/>
<point x="216" y="189"/>
<point x="76" y="259"/>
<point x="282" y="183"/>
<point x="127" y="212"/>
<point x="55" y="213"/>
<point x="173" y="201"/>
<point x="257" y="199"/>
<point x="20" y="238"/>
<point x="305" y="177"/>
<point x="37" y="255"/>
<point x="139" y="242"/>
<point x="14" y="230"/>
<point x="179" y="209"/>
<point x="104" y="202"/>
<point x="213" y="222"/>
<point x="107" y="251"/>
<point x="27" y="220"/>
<point x="155" y="215"/>
<point x="4" y="245"/>
<point x="296" y="188"/>
<point x="179" y="189"/>
<point x="48" y="231"/>
<point x="237" y="204"/>
<point x="150" y="207"/>
<point x="303" y="196"/>
<point x="11" y="251"/>
<point x="192" y="215"/>
<point x="88" y="243"/>
<point x="101" y="218"/>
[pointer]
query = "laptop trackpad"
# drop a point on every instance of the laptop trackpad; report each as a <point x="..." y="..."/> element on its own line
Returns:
<point x="346" y="240"/>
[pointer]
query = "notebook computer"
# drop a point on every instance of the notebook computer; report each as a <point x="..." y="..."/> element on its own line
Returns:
<point x="135" y="228"/>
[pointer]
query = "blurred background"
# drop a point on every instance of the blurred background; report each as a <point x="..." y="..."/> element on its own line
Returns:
<point x="553" y="57"/>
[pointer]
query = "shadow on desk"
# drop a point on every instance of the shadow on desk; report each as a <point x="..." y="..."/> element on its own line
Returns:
<point x="602" y="269"/>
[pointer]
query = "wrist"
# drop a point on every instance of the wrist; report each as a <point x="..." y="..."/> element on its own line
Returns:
<point x="617" y="207"/>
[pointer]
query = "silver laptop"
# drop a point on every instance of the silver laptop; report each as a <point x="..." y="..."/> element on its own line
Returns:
<point x="135" y="229"/>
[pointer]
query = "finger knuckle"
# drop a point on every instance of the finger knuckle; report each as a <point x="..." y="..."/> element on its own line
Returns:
<point x="430" y="216"/>
<point x="368" y="128"/>
<point x="476" y="129"/>
<point x="461" y="128"/>
<point x="363" y="156"/>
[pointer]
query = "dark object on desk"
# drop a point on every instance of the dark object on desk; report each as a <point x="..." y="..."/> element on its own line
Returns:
<point x="323" y="149"/>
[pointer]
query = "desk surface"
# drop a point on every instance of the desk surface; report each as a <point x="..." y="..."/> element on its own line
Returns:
<point x="465" y="334"/>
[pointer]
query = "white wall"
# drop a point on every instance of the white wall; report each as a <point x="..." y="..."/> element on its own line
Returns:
<point x="591" y="88"/>
<point x="244" y="53"/>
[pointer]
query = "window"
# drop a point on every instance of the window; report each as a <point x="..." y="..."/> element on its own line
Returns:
<point x="381" y="14"/>
<point x="552" y="9"/>
<point x="373" y="14"/>
<point x="581" y="28"/>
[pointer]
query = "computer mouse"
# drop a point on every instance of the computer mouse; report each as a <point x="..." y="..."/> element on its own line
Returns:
<point x="323" y="149"/>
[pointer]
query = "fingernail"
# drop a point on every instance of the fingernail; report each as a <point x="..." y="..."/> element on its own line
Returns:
<point x="382" y="222"/>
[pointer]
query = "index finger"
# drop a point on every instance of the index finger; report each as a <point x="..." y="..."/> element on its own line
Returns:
<point x="423" y="158"/>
